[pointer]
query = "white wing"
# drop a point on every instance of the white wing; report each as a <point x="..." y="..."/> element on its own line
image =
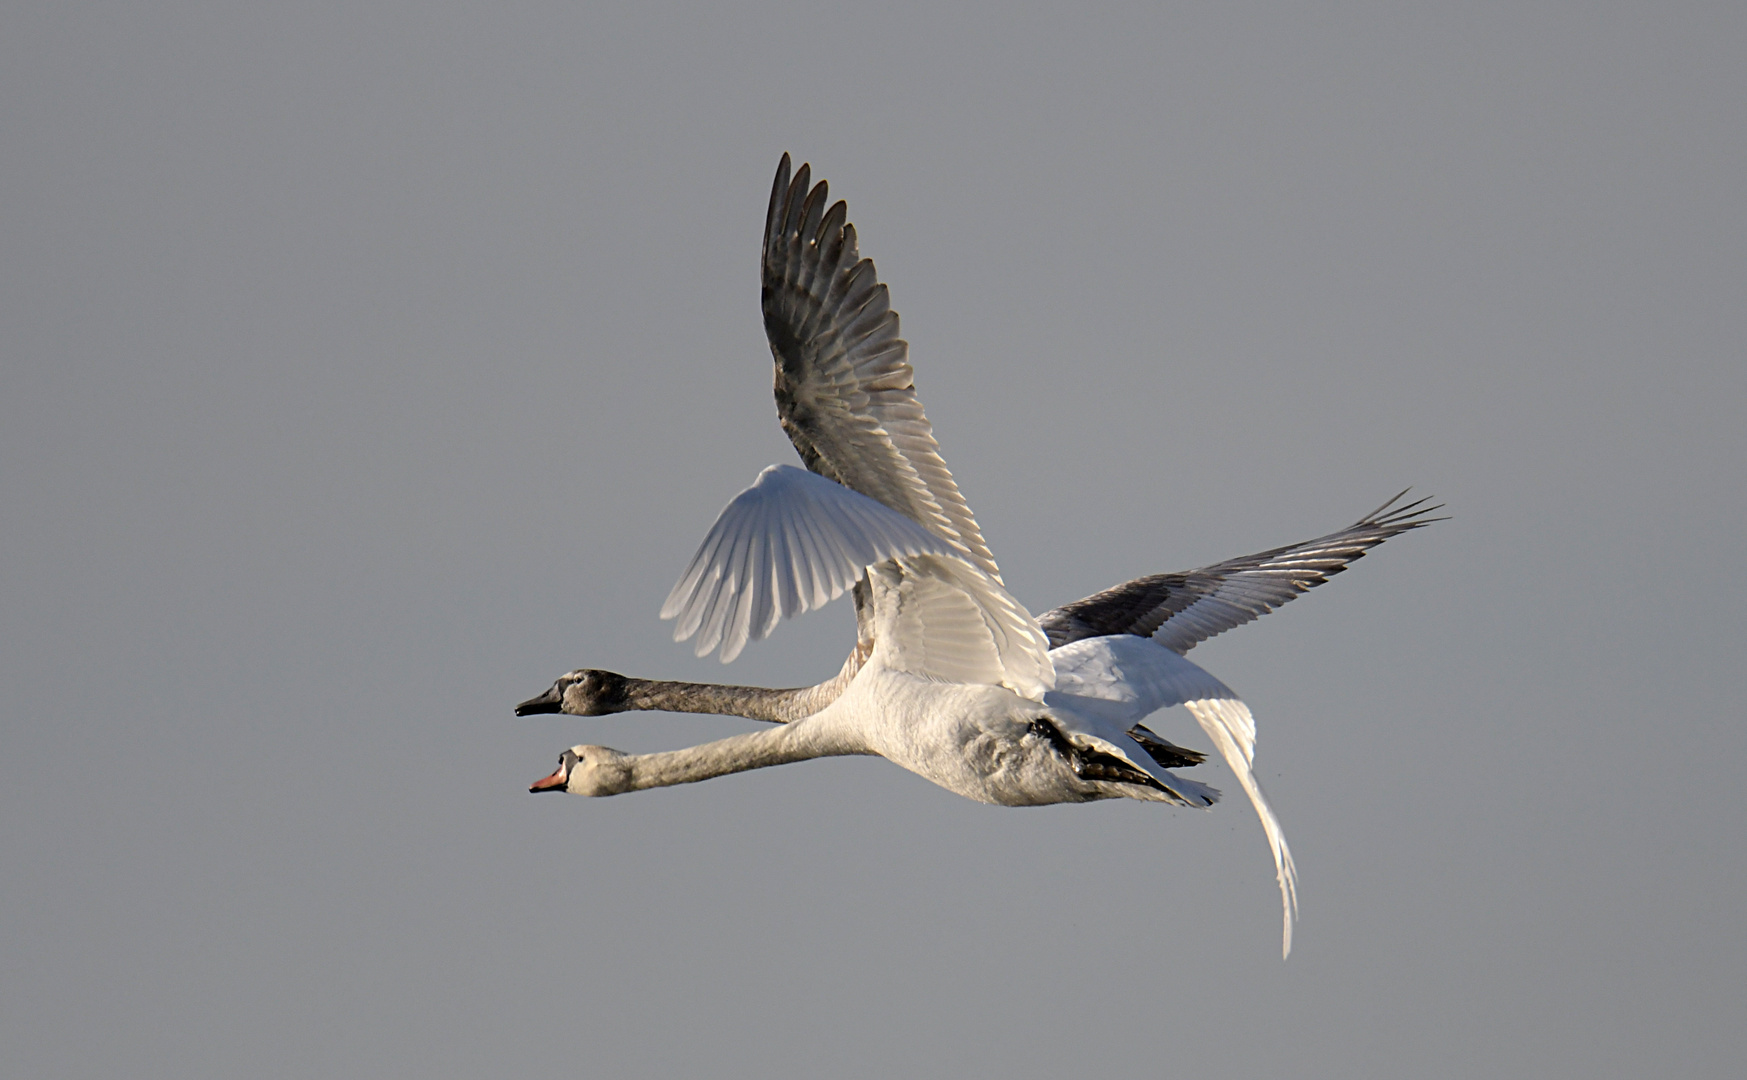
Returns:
<point x="939" y="617"/>
<point x="791" y="542"/>
<point x="1127" y="678"/>
<point x="794" y="541"/>
<point x="1123" y="678"/>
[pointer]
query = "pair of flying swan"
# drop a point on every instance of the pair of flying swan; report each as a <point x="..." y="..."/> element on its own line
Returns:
<point x="950" y="677"/>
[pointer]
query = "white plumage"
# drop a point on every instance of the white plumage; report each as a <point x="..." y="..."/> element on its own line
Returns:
<point x="951" y="677"/>
<point x="791" y="542"/>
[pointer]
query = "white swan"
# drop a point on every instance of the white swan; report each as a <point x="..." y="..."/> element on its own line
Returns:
<point x="951" y="677"/>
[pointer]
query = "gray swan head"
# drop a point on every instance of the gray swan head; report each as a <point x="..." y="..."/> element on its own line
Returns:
<point x="583" y="692"/>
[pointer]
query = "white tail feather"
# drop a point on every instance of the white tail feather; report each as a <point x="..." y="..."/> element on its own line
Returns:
<point x="1227" y="721"/>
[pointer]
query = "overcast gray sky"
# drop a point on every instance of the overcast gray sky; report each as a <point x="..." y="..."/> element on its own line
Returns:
<point x="365" y="366"/>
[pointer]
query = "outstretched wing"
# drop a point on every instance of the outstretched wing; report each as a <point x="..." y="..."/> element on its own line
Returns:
<point x="1180" y="611"/>
<point x="844" y="387"/>
<point x="1122" y="678"/>
<point x="790" y="543"/>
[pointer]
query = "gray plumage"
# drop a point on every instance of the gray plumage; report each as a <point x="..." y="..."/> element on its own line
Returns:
<point x="844" y="388"/>
<point x="1182" y="610"/>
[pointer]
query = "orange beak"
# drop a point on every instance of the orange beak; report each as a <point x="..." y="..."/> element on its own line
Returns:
<point x="556" y="782"/>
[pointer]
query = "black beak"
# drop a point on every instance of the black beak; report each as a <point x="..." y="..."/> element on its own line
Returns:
<point x="547" y="702"/>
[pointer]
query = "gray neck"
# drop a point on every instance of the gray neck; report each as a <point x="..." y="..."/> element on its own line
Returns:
<point x="751" y="702"/>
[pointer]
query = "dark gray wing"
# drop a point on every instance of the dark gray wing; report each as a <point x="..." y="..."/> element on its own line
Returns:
<point x="844" y="387"/>
<point x="1182" y="610"/>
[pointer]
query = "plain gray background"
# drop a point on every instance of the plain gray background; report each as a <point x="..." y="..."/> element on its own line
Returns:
<point x="366" y="366"/>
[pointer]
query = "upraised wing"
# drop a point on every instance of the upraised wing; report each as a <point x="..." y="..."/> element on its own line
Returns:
<point x="791" y="542"/>
<point x="1180" y="611"/>
<point x="1123" y="678"/>
<point x="794" y="541"/>
<point x="844" y="386"/>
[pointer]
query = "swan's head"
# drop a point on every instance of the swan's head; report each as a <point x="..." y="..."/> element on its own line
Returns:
<point x="584" y="692"/>
<point x="588" y="770"/>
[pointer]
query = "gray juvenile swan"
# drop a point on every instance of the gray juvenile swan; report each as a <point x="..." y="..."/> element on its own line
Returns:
<point x="950" y="676"/>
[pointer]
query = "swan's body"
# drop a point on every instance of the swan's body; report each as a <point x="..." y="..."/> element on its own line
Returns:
<point x="951" y="677"/>
<point x="983" y="742"/>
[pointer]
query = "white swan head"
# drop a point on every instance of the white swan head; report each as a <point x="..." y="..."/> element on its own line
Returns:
<point x="583" y="692"/>
<point x="588" y="770"/>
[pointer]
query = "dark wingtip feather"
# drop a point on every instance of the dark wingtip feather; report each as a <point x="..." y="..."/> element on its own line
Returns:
<point x="1401" y="518"/>
<point x="1391" y="501"/>
<point x="831" y="226"/>
<point x="796" y="196"/>
<point x="813" y="212"/>
<point x="777" y="189"/>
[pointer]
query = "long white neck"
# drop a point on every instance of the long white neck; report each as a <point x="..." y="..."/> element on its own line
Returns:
<point x="799" y="741"/>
